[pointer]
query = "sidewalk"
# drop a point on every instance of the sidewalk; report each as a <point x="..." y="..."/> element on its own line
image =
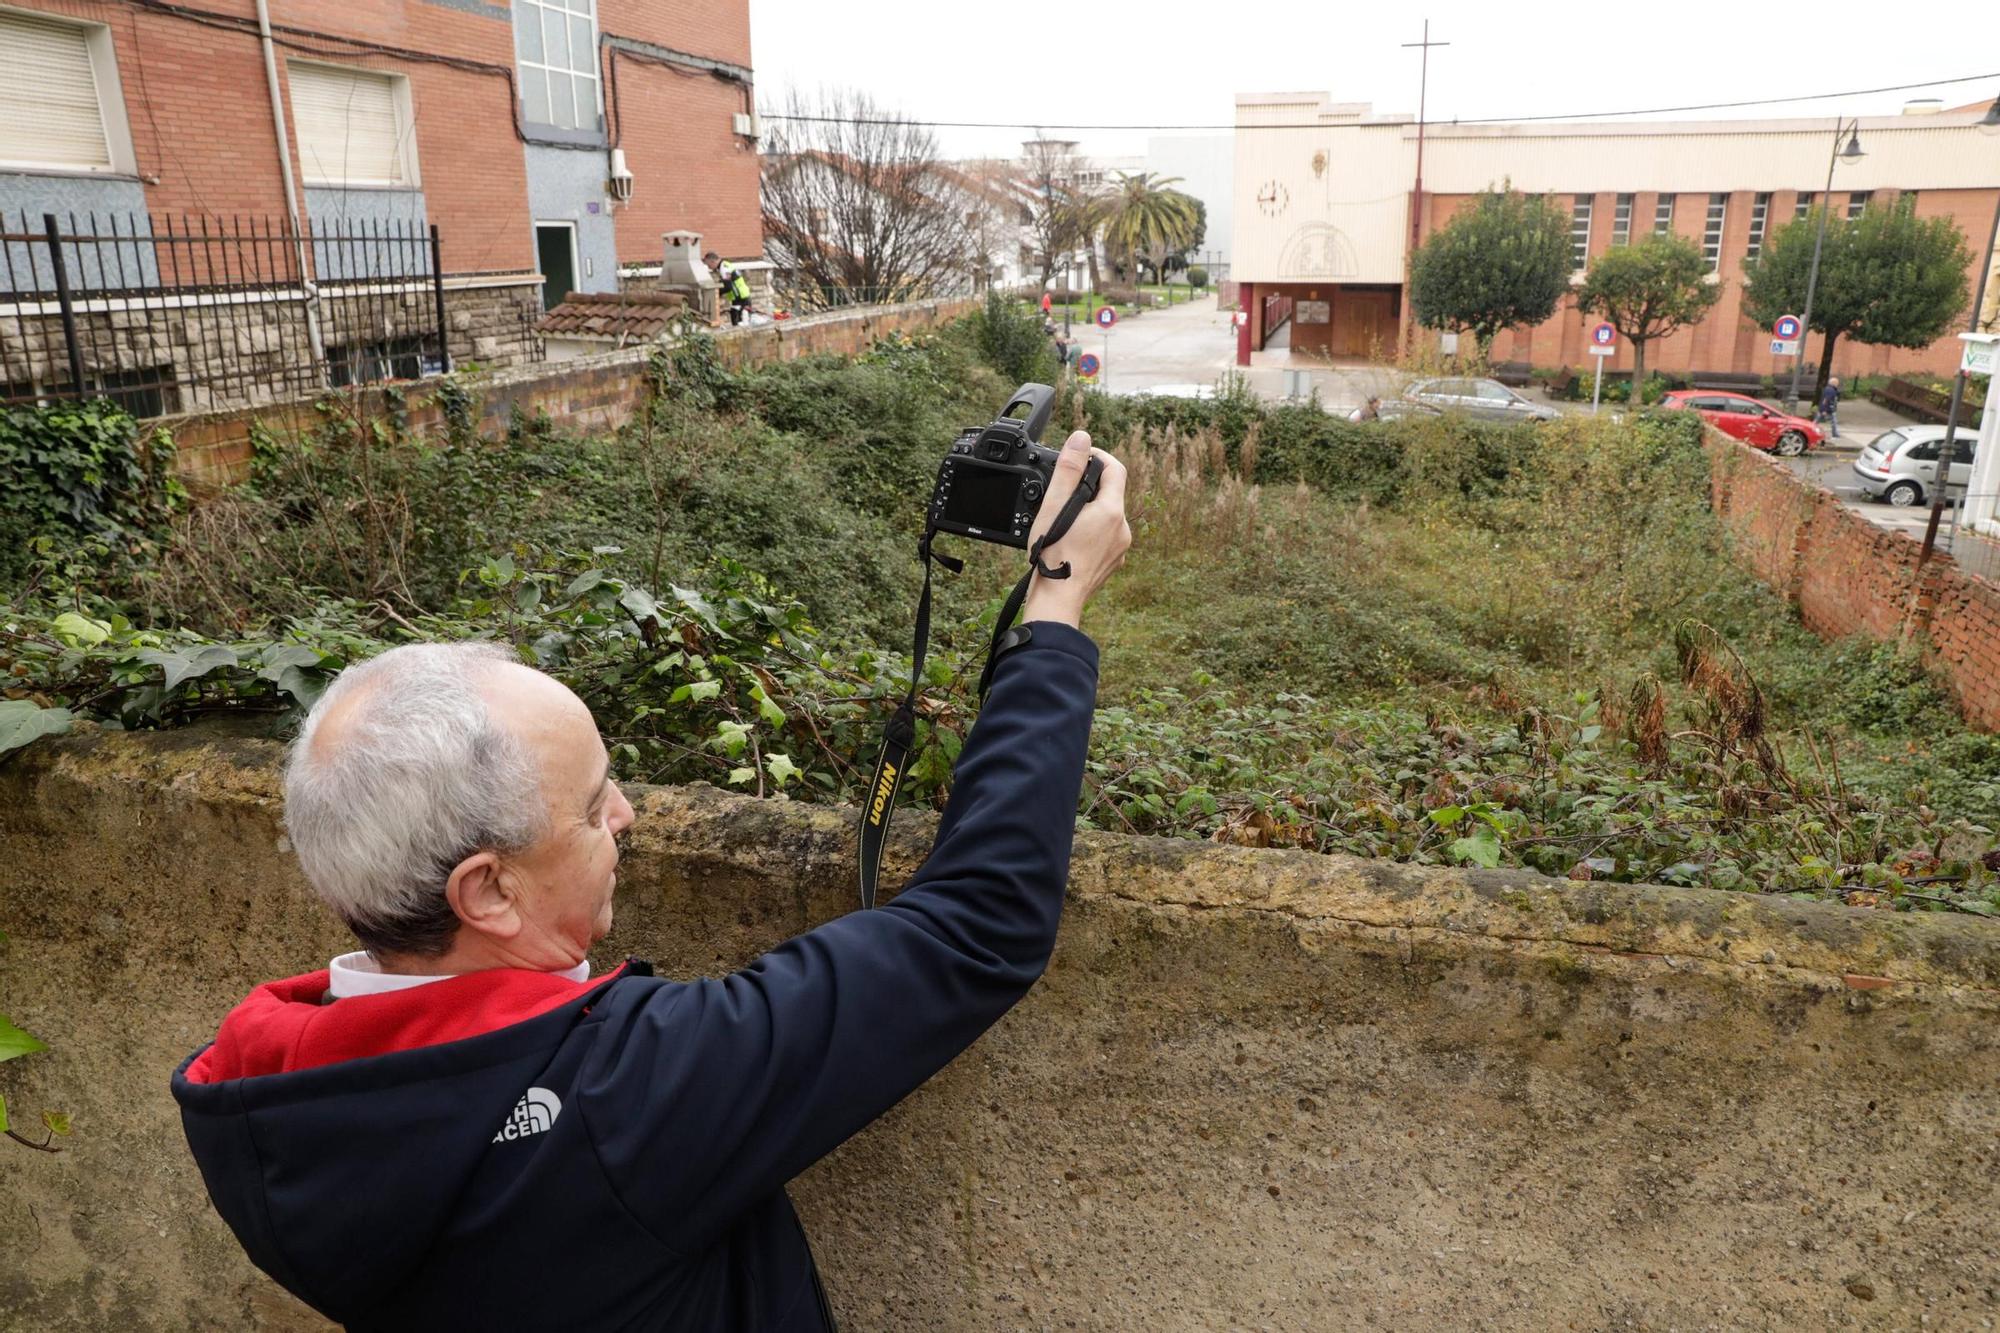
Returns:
<point x="1196" y="344"/>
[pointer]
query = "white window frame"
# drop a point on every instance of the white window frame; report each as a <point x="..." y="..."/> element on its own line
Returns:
<point x="1712" y="229"/>
<point x="1760" y="213"/>
<point x="1857" y="203"/>
<point x="1621" y="219"/>
<point x="110" y="104"/>
<point x="1580" y="211"/>
<point x="526" y="69"/>
<point x="406" y="133"/>
<point x="1663" y="215"/>
<point x="1803" y="206"/>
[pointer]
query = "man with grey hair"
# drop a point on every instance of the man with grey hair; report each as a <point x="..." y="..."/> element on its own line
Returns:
<point x="459" y="1127"/>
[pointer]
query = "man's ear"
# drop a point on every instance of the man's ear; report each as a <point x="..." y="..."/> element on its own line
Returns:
<point x="481" y="893"/>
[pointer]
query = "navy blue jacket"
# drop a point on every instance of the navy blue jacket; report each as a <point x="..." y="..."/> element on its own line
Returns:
<point x="514" y="1150"/>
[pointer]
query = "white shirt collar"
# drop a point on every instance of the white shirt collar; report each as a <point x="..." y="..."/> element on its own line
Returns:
<point x="359" y="974"/>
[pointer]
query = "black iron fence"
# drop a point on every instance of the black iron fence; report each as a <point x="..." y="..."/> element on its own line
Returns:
<point x="164" y="316"/>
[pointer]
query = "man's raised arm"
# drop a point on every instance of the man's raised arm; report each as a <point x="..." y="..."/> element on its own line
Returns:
<point x="711" y="1095"/>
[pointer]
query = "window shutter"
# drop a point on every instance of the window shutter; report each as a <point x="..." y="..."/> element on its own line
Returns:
<point x="347" y="126"/>
<point x="49" y="114"/>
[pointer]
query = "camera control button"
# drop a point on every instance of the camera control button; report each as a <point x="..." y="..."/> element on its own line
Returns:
<point x="1031" y="489"/>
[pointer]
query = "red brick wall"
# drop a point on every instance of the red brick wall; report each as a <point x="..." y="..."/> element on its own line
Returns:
<point x="1848" y="576"/>
<point x="1725" y="340"/>
<point x="691" y="171"/>
<point x="201" y="118"/>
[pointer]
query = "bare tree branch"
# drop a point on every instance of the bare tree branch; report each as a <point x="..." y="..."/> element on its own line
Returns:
<point x="857" y="207"/>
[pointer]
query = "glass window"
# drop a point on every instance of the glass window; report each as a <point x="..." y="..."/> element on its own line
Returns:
<point x="1887" y="440"/>
<point x="1663" y="214"/>
<point x="1856" y="204"/>
<point x="1579" y="232"/>
<point x="1621" y="220"/>
<point x="1805" y="204"/>
<point x="555" y="42"/>
<point x="1760" y="211"/>
<point x="1925" y="452"/>
<point x="1493" y="392"/>
<point x="1711" y="236"/>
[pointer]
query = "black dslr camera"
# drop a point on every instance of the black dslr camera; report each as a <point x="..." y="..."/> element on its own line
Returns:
<point x="992" y="482"/>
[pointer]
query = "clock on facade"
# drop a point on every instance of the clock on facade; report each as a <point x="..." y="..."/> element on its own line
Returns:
<point x="1273" y="198"/>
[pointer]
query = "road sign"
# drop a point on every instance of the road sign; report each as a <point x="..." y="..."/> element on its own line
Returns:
<point x="1784" y="347"/>
<point x="1602" y="351"/>
<point x="1786" y="329"/>
<point x="1106" y="317"/>
<point x="1981" y="355"/>
<point x="1086" y="366"/>
<point x="1603" y="336"/>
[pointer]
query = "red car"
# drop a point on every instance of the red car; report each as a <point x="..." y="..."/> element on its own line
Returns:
<point x="1758" y="425"/>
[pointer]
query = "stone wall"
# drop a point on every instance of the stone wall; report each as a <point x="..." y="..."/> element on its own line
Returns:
<point x="1849" y="576"/>
<point x="1255" y="1089"/>
<point x="588" y="393"/>
<point x="178" y="353"/>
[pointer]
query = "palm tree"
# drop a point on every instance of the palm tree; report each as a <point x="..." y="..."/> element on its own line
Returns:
<point x="1145" y="215"/>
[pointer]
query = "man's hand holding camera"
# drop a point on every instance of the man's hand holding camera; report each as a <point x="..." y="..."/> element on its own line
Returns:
<point x="1095" y="544"/>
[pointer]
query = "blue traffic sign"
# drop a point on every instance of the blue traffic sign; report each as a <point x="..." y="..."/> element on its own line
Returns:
<point x="1787" y="327"/>
<point x="1106" y="317"/>
<point x="1604" y="335"/>
<point x="1087" y="365"/>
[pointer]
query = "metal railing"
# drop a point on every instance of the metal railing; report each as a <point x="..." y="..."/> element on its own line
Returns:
<point x="165" y="316"/>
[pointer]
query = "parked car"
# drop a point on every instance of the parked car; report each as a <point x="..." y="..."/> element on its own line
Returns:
<point x="1901" y="465"/>
<point x="1758" y="425"/>
<point x="1488" y="400"/>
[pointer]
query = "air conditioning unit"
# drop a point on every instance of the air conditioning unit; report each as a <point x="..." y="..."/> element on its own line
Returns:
<point x="745" y="124"/>
<point x="620" y="184"/>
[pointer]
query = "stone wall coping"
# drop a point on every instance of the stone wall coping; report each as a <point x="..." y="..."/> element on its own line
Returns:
<point x="1576" y="925"/>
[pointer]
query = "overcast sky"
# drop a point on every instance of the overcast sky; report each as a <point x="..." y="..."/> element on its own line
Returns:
<point x="1122" y="62"/>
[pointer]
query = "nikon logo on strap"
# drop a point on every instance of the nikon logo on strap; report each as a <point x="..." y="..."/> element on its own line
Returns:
<point x="884" y="787"/>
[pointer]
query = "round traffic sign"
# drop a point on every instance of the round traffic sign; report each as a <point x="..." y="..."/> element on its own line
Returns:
<point x="1106" y="317"/>
<point x="1604" y="335"/>
<point x="1086" y="365"/>
<point x="1787" y="327"/>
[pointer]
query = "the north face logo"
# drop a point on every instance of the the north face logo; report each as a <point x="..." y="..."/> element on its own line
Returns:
<point x="536" y="1111"/>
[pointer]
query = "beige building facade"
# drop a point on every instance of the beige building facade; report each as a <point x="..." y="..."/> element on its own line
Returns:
<point x="1327" y="214"/>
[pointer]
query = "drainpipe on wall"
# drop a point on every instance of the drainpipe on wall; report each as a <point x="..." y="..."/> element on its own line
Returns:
<point x="291" y="194"/>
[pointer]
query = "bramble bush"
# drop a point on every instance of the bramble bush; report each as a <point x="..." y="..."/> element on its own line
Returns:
<point x="1422" y="639"/>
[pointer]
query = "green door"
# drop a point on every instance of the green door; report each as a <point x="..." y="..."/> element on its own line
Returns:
<point x="555" y="256"/>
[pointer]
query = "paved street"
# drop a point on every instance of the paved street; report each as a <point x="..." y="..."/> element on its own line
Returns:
<point x="1833" y="470"/>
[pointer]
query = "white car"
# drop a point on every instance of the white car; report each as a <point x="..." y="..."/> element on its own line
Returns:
<point x="1901" y="465"/>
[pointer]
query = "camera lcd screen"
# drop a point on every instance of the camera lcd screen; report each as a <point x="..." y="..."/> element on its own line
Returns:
<point x="983" y="497"/>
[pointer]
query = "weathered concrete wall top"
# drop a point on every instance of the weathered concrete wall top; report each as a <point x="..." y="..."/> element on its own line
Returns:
<point x="1255" y="1089"/>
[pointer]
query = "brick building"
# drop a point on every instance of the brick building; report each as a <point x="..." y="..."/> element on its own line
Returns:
<point x="550" y="142"/>
<point x="1324" y="194"/>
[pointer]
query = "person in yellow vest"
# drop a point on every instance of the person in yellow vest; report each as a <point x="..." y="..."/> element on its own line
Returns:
<point x="735" y="287"/>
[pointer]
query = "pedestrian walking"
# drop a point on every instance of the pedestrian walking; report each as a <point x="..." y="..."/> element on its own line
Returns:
<point x="1829" y="407"/>
<point x="1048" y="303"/>
<point x="1368" y="411"/>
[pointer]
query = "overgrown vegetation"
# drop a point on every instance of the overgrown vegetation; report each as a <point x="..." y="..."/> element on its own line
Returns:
<point x="1423" y="639"/>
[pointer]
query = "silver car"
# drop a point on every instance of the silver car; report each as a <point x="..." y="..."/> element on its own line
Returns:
<point x="1488" y="400"/>
<point x="1901" y="465"/>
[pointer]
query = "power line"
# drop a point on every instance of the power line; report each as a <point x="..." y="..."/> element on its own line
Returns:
<point x="1321" y="125"/>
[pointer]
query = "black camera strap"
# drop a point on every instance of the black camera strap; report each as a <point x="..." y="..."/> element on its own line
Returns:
<point x="900" y="736"/>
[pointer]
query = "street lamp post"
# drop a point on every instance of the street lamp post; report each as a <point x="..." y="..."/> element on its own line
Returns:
<point x="1839" y="154"/>
<point x="1990" y="121"/>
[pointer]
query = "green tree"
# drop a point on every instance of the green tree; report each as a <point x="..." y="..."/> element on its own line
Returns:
<point x="1887" y="277"/>
<point x="1649" y="290"/>
<point x="1503" y="262"/>
<point x="1145" y="215"/>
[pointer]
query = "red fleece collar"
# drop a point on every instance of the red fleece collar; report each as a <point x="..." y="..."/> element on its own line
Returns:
<point x="282" y="1027"/>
